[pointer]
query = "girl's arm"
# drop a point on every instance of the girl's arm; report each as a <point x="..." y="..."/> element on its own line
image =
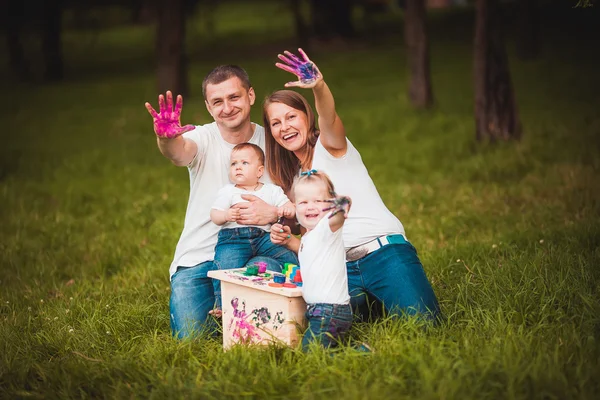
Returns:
<point x="340" y="206"/>
<point x="282" y="234"/>
<point x="333" y="134"/>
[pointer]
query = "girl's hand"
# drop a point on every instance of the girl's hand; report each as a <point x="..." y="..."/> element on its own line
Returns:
<point x="339" y="204"/>
<point x="166" y="122"/>
<point x="280" y="234"/>
<point x="307" y="72"/>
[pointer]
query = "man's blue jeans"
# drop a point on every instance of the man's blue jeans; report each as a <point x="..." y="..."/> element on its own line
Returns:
<point x="327" y="324"/>
<point x="237" y="246"/>
<point x="192" y="297"/>
<point x="392" y="275"/>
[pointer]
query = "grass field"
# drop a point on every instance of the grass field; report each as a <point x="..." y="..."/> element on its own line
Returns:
<point x="509" y="234"/>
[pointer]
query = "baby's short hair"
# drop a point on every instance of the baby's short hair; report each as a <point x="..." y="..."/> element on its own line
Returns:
<point x="259" y="152"/>
<point x="312" y="176"/>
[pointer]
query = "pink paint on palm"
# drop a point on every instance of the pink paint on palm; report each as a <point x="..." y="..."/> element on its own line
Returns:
<point x="167" y="122"/>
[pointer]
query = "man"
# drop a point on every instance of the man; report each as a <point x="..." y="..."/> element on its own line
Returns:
<point x="206" y="150"/>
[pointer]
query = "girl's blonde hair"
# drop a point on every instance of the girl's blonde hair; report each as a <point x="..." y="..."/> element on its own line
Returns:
<point x="282" y="164"/>
<point x="312" y="176"/>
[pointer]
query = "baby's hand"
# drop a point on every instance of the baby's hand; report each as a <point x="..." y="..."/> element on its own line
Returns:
<point x="233" y="214"/>
<point x="280" y="234"/>
<point x="288" y="212"/>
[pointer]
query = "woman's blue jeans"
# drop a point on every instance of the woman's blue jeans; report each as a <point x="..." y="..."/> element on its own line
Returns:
<point x="392" y="275"/>
<point x="327" y="324"/>
<point x="237" y="246"/>
<point x="192" y="297"/>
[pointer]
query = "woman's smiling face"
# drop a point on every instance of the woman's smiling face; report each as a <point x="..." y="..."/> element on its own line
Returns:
<point x="288" y="126"/>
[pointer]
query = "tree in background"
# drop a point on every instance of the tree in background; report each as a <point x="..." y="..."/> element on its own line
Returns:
<point x="528" y="41"/>
<point x="496" y="115"/>
<point x="14" y="20"/>
<point x="51" y="39"/>
<point x="171" y="57"/>
<point x="332" y="18"/>
<point x="415" y="36"/>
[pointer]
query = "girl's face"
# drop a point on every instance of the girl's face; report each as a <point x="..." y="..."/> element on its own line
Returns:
<point x="310" y="201"/>
<point x="288" y="126"/>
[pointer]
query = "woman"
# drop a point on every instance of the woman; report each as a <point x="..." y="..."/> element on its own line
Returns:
<point x="381" y="263"/>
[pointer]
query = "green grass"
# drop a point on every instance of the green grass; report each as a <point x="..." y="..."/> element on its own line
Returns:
<point x="509" y="234"/>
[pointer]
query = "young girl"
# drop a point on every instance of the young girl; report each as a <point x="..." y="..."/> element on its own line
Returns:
<point x="322" y="258"/>
<point x="237" y="244"/>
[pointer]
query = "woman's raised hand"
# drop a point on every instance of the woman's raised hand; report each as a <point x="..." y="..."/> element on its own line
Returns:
<point x="307" y="72"/>
<point x="166" y="122"/>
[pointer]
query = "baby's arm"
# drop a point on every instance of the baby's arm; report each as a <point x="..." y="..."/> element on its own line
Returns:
<point x="287" y="210"/>
<point x="220" y="217"/>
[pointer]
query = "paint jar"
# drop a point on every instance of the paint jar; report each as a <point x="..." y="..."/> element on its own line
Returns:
<point x="278" y="278"/>
<point x="251" y="270"/>
<point x="262" y="267"/>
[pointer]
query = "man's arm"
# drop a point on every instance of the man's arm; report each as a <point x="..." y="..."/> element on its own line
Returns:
<point x="179" y="150"/>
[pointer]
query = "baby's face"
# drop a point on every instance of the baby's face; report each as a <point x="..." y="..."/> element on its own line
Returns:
<point x="245" y="168"/>
<point x="310" y="201"/>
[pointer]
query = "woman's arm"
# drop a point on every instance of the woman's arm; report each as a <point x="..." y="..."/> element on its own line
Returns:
<point x="333" y="134"/>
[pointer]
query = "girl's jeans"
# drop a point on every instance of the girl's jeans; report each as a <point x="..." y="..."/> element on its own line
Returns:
<point x="192" y="297"/>
<point x="237" y="246"/>
<point x="327" y="324"/>
<point x="394" y="276"/>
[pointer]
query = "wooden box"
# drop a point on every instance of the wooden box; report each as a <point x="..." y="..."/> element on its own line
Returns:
<point x="256" y="313"/>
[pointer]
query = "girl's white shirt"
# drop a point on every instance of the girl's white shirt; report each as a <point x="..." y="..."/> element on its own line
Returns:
<point x="322" y="260"/>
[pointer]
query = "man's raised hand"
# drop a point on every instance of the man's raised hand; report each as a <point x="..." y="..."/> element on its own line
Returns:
<point x="167" y="122"/>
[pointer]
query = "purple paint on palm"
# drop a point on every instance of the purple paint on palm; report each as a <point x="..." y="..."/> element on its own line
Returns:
<point x="303" y="68"/>
<point x="338" y="204"/>
<point x="167" y="122"/>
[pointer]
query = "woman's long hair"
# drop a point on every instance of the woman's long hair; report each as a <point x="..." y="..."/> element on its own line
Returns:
<point x="282" y="164"/>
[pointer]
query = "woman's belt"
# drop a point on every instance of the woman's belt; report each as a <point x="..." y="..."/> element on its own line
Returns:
<point x="358" y="252"/>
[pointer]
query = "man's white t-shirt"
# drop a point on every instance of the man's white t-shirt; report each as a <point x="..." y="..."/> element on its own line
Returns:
<point x="230" y="194"/>
<point x="209" y="172"/>
<point x="370" y="218"/>
<point x="322" y="260"/>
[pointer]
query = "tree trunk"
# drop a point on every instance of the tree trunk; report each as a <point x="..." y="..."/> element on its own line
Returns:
<point x="415" y="35"/>
<point x="528" y="43"/>
<point x="331" y="18"/>
<point x="170" y="48"/>
<point x="51" y="44"/>
<point x="14" y="20"/>
<point x="496" y="115"/>
<point x="299" y="24"/>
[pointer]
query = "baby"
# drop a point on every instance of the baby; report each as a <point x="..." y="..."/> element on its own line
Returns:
<point x="237" y="244"/>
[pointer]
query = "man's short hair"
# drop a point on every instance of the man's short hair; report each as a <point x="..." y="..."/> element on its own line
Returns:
<point x="259" y="152"/>
<point x="222" y="73"/>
